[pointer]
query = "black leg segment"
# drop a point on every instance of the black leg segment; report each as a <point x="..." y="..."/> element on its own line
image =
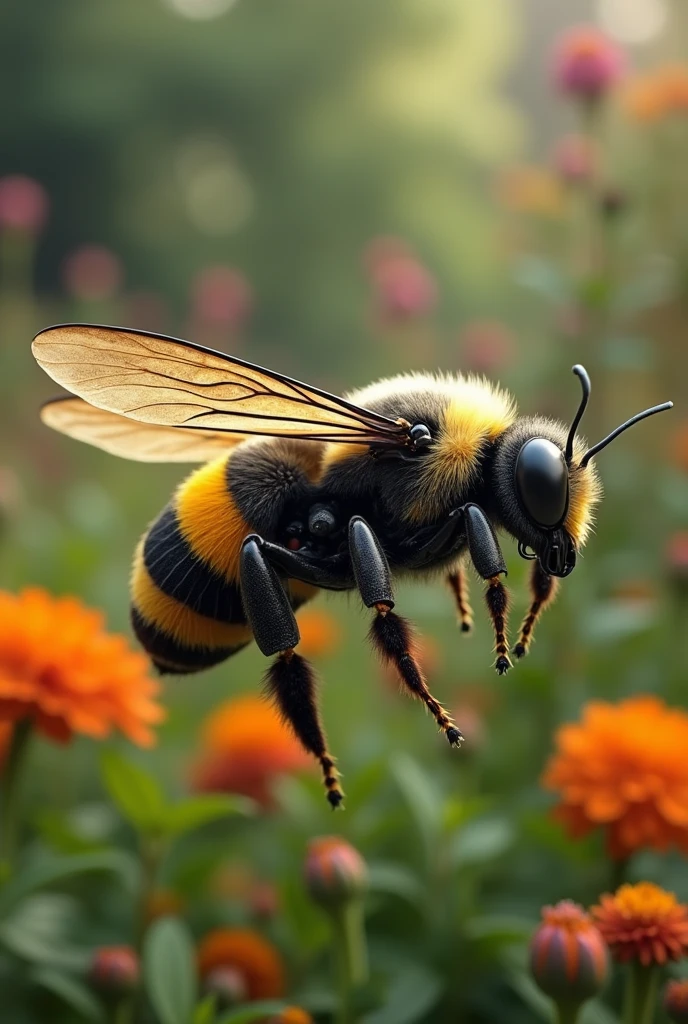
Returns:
<point x="371" y="569"/>
<point x="267" y="606"/>
<point x="292" y="684"/>
<point x="483" y="547"/>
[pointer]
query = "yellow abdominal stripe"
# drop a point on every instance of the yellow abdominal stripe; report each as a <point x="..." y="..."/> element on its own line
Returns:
<point x="174" y="619"/>
<point x="209" y="519"/>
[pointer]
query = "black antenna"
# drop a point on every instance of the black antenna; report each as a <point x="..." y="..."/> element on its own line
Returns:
<point x="582" y="375"/>
<point x="592" y="452"/>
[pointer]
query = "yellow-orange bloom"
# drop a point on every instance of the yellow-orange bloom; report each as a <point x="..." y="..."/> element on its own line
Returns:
<point x="246" y="746"/>
<point x="247" y="952"/>
<point x="658" y="94"/>
<point x="530" y="189"/>
<point x="320" y="632"/>
<point x="624" y="769"/>
<point x="643" y="922"/>
<point x="60" y="668"/>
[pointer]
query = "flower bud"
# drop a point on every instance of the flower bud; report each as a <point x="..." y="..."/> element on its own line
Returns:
<point x="568" y="956"/>
<point x="114" y="970"/>
<point x="228" y="985"/>
<point x="676" y="1001"/>
<point x="335" y="872"/>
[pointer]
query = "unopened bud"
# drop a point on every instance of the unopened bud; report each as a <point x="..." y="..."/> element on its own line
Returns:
<point x="568" y="956"/>
<point x="228" y="985"/>
<point x="676" y="1001"/>
<point x="335" y="872"/>
<point x="114" y="970"/>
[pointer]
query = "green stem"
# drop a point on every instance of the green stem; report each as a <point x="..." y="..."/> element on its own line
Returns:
<point x="567" y="1014"/>
<point x="152" y="852"/>
<point x="352" y="956"/>
<point x="640" y="1000"/>
<point x="9" y="794"/>
<point x="123" y="1011"/>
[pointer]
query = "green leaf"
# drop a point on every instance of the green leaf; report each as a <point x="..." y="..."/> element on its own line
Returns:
<point x="169" y="970"/>
<point x="201" y="810"/>
<point x="397" y="880"/>
<point x="253" y="1012"/>
<point x="410" y="997"/>
<point x="420" y="793"/>
<point x="46" y="871"/>
<point x="135" y="792"/>
<point x="481" y="840"/>
<point x="205" y="1011"/>
<point x="71" y="991"/>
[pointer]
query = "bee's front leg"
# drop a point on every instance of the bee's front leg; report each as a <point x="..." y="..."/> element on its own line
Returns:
<point x="489" y="562"/>
<point x="543" y="589"/>
<point x="391" y="635"/>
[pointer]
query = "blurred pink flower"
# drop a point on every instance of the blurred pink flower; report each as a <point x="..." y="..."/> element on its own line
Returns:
<point x="586" y="64"/>
<point x="92" y="273"/>
<point x="23" y="204"/>
<point x="486" y="346"/>
<point x="221" y="297"/>
<point x="574" y="159"/>
<point x="677" y="555"/>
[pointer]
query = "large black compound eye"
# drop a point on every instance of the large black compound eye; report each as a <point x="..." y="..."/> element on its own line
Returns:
<point x="542" y="482"/>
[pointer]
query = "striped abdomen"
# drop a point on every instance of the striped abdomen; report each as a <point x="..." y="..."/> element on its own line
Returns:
<point x="186" y="602"/>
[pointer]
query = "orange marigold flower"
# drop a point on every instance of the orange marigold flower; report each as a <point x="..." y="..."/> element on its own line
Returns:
<point x="624" y="768"/>
<point x="247" y="952"/>
<point x="643" y="922"/>
<point x="320" y="632"/>
<point x="60" y="668"/>
<point x="246" y="747"/>
<point x="676" y="1001"/>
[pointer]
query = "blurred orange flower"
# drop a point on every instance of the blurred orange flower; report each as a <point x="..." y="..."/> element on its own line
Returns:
<point x="247" y="952"/>
<point x="60" y="668"/>
<point x="246" y="745"/>
<point x="624" y="768"/>
<point x="530" y="189"/>
<point x="292" y="1015"/>
<point x="643" y="922"/>
<point x="658" y="94"/>
<point x="320" y="632"/>
<point x="676" y="1000"/>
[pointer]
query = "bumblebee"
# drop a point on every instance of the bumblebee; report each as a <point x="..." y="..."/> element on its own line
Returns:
<point x="300" y="491"/>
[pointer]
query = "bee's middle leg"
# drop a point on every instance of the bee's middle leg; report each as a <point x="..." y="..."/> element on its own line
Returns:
<point x="391" y="635"/>
<point x="290" y="680"/>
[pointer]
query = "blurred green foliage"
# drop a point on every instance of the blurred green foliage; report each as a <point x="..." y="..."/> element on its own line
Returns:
<point x="281" y="139"/>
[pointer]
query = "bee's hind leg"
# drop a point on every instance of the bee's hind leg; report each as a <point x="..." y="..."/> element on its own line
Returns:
<point x="458" y="584"/>
<point x="391" y="635"/>
<point x="290" y="680"/>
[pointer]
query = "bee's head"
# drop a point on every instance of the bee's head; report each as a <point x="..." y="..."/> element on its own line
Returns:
<point x="546" y="487"/>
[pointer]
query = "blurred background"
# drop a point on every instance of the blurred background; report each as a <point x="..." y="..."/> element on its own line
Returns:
<point x="343" y="192"/>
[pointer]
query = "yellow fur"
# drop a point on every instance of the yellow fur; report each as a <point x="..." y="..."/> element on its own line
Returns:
<point x="585" y="491"/>
<point x="477" y="413"/>
<point x="175" y="619"/>
<point x="210" y="520"/>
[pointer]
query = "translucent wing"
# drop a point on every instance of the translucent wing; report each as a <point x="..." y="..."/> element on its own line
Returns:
<point x="144" y="442"/>
<point x="174" y="383"/>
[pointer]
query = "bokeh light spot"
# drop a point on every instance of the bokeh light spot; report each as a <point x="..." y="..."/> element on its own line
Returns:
<point x="632" y="23"/>
<point x="200" y="10"/>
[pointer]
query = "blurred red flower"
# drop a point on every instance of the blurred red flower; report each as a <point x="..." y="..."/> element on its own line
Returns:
<point x="221" y="297"/>
<point x="486" y="346"/>
<point x="676" y="555"/>
<point x="256" y="960"/>
<point x="574" y="159"/>
<point x="586" y="63"/>
<point x="23" y="204"/>
<point x="403" y="288"/>
<point x="114" y="970"/>
<point x="245" y="747"/>
<point x="334" y="871"/>
<point x="92" y="273"/>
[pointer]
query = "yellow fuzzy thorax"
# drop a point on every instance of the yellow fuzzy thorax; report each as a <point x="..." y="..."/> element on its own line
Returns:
<point x="477" y="412"/>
